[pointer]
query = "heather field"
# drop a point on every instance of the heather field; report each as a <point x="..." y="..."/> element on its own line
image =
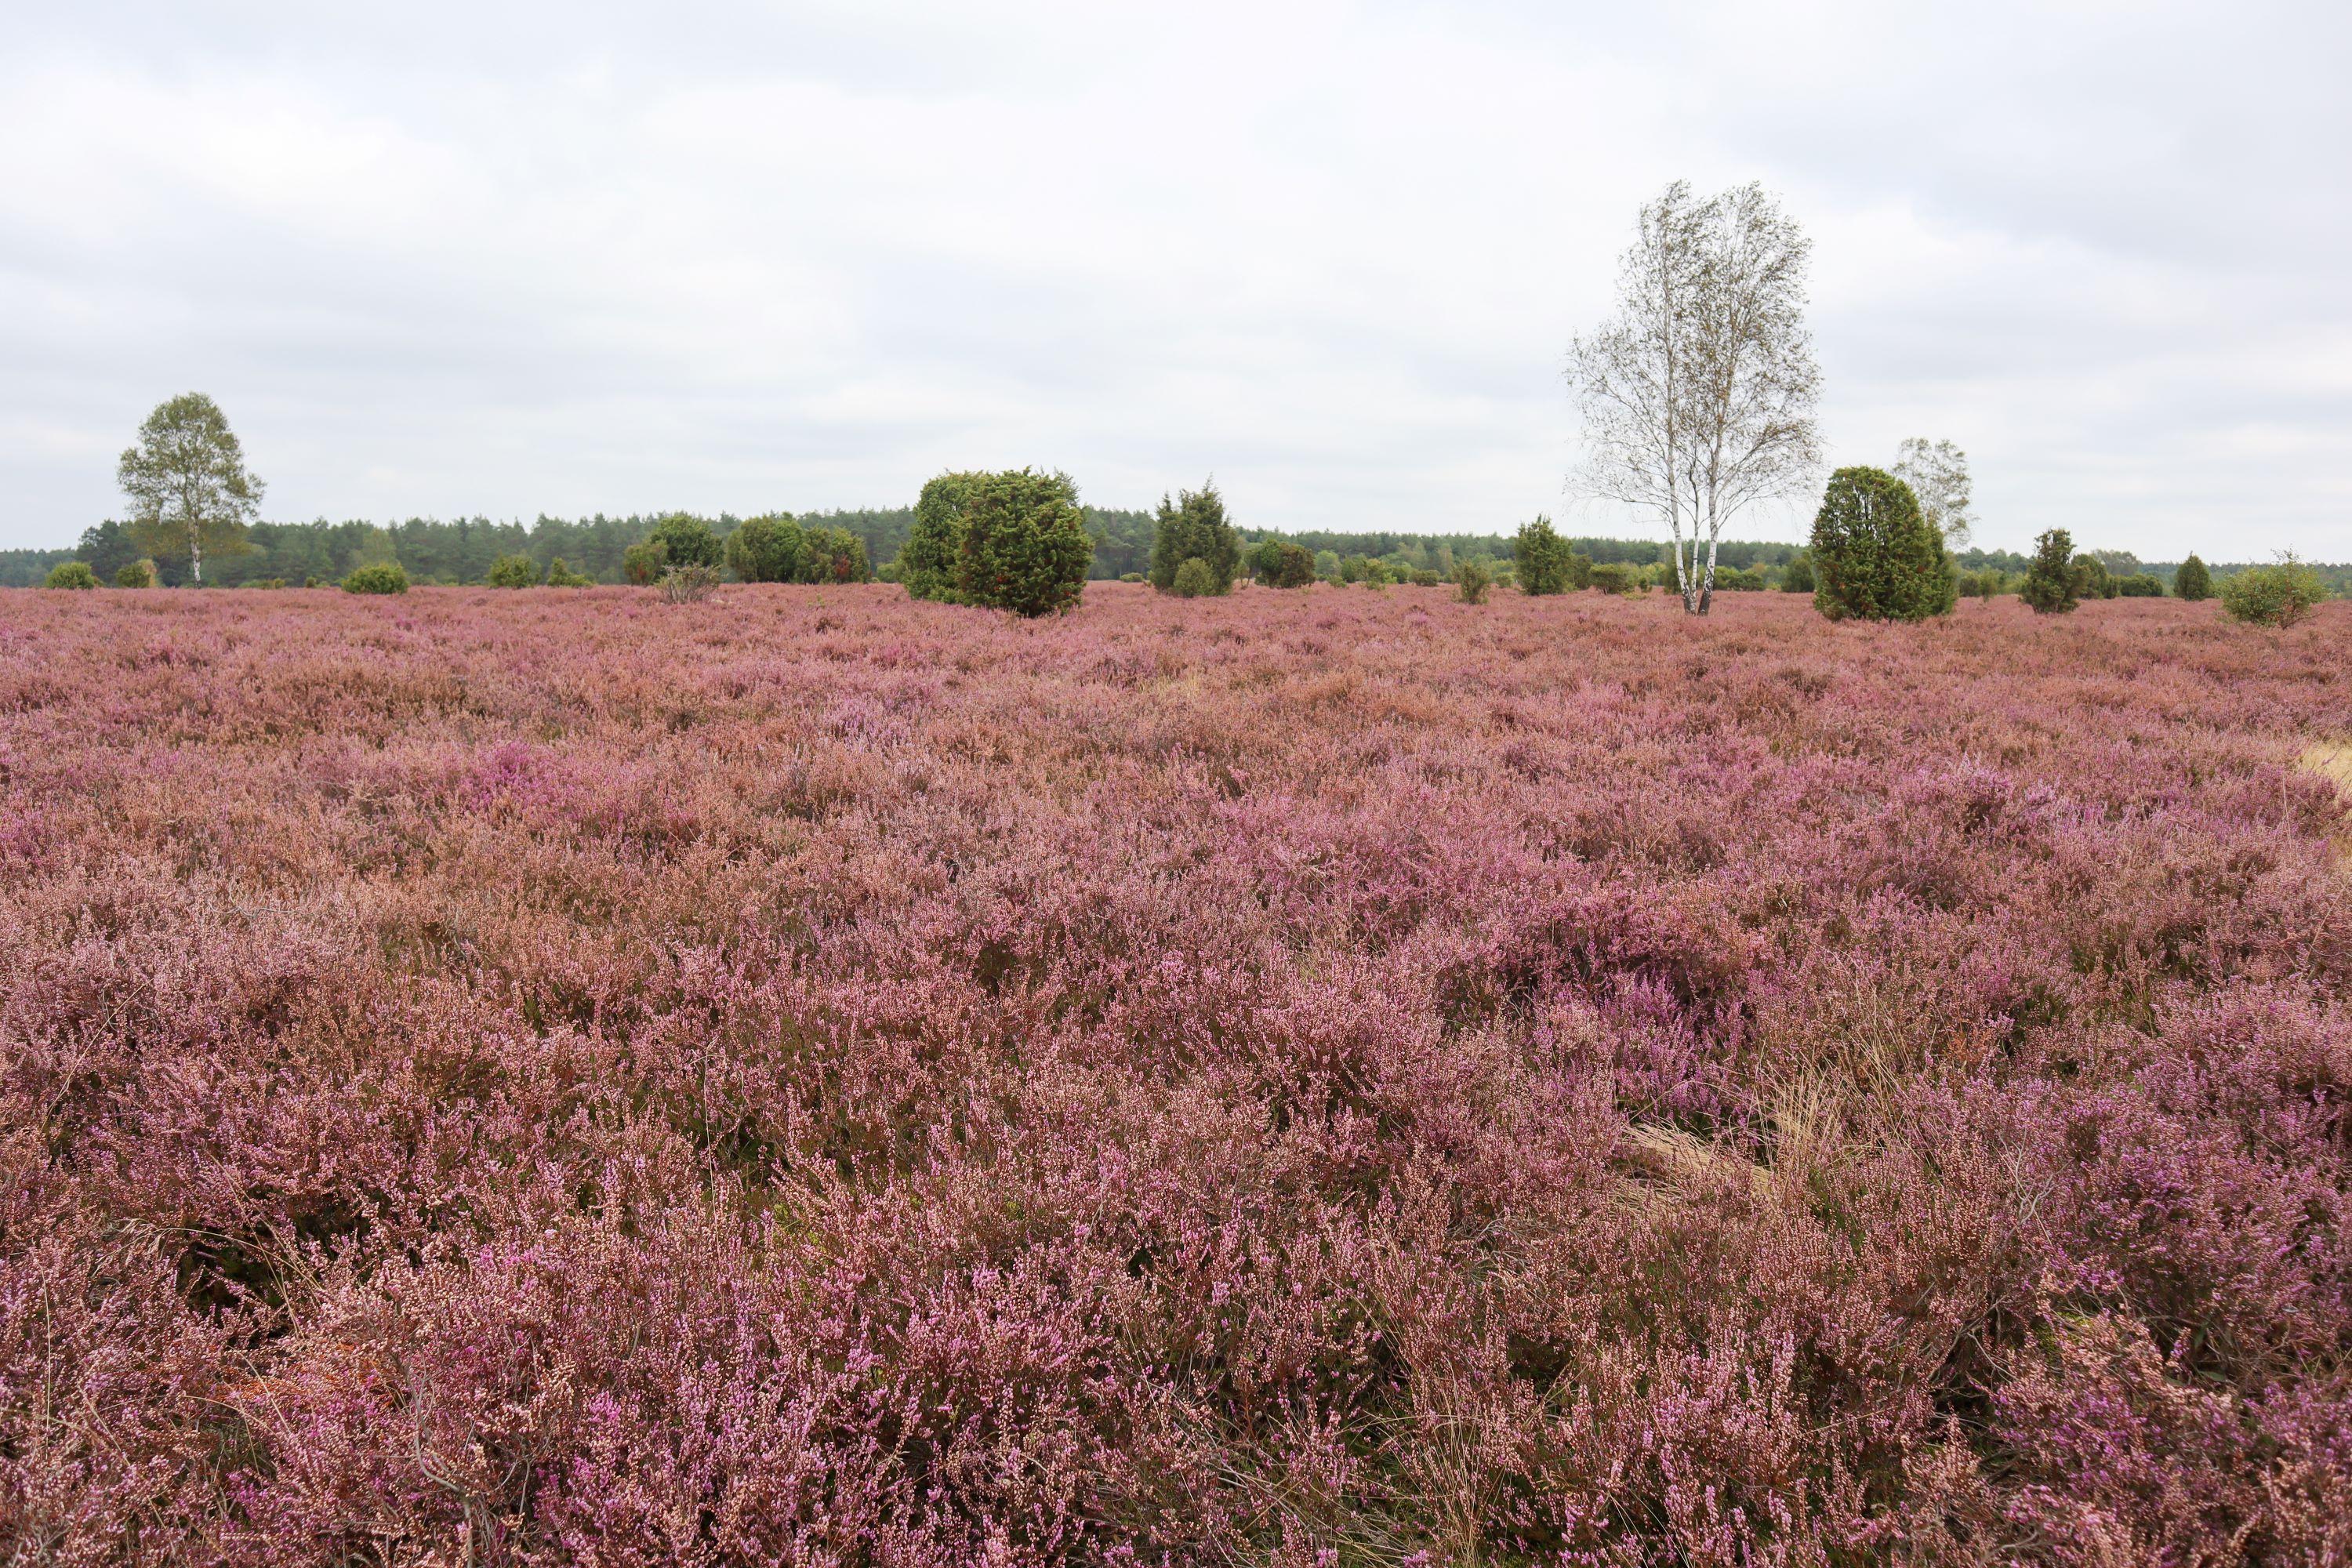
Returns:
<point x="1315" y="1078"/>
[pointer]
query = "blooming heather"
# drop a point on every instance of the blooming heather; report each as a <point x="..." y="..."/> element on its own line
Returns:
<point x="1325" y="1077"/>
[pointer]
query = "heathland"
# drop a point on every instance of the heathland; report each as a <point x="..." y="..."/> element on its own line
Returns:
<point x="1330" y="1077"/>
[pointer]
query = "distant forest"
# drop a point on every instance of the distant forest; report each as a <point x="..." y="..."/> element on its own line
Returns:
<point x="462" y="551"/>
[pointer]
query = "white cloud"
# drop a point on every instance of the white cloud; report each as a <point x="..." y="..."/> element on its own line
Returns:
<point x="531" y="257"/>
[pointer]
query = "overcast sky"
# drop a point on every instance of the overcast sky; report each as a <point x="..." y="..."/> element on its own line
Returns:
<point x="440" y="259"/>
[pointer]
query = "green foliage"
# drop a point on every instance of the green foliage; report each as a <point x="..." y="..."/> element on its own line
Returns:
<point x="770" y="549"/>
<point x="1194" y="529"/>
<point x="382" y="577"/>
<point x="1732" y="580"/>
<point x="1023" y="544"/>
<point x="1471" y="581"/>
<point x="189" y="492"/>
<point x="2049" y="585"/>
<point x="72" y="574"/>
<point x="688" y="584"/>
<point x="1133" y="577"/>
<point x="2193" y="582"/>
<point x="1195" y="579"/>
<point x="832" y="555"/>
<point x="138" y="574"/>
<point x="1293" y="567"/>
<point x="933" y="555"/>
<point x="1874" y="556"/>
<point x="685" y="540"/>
<point x="1426" y="579"/>
<point x="560" y="576"/>
<point x="2139" y="585"/>
<point x="2089" y="578"/>
<point x="1327" y="565"/>
<point x="888" y="572"/>
<point x="1264" y="557"/>
<point x="514" y="572"/>
<point x="2278" y="594"/>
<point x="1615" y="577"/>
<point x="1797" y="577"/>
<point x="1545" y="563"/>
<point x="645" y="561"/>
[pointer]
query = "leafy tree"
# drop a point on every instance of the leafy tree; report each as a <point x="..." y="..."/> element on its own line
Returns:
<point x="1874" y="556"/>
<point x="1545" y="563"/>
<point x="381" y="577"/>
<point x="135" y="574"/>
<point x="1195" y="579"/>
<point x="1796" y="577"/>
<point x="645" y="561"/>
<point x="2049" y="585"/>
<point x="560" y="576"/>
<point x="1698" y="395"/>
<point x="2192" y="582"/>
<point x="1265" y="557"/>
<point x="1327" y="565"/>
<point x="514" y="572"/>
<point x="2091" y="578"/>
<point x="685" y="540"/>
<point x="1937" y="473"/>
<point x="72" y="574"/>
<point x="189" y="490"/>
<point x="932" y="559"/>
<point x="1471" y="581"/>
<point x="1194" y="529"/>
<point x="2139" y="585"/>
<point x="1615" y="577"/>
<point x="1294" y="567"/>
<point x="770" y="549"/>
<point x="2275" y="596"/>
<point x="1023" y="544"/>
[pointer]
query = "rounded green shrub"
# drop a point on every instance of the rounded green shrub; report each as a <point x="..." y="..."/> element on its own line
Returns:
<point x="2275" y="596"/>
<point x="930" y="562"/>
<point x="685" y="540"/>
<point x="382" y="577"/>
<point x="1797" y="577"/>
<point x="72" y="574"/>
<point x="139" y="574"/>
<point x="1024" y="545"/>
<point x="1874" y="556"/>
<point x="1195" y="579"/>
<point x="1294" y="567"/>
<point x="832" y="555"/>
<point x="1471" y="581"/>
<point x="644" y="562"/>
<point x="2090" y="578"/>
<point x="2193" y="582"/>
<point x="1544" y="562"/>
<point x="1615" y="577"/>
<point x="1133" y="577"/>
<point x="514" y="572"/>
<point x="560" y="575"/>
<point x="770" y="549"/>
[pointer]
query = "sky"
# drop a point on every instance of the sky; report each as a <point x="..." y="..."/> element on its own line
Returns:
<point x="506" y="259"/>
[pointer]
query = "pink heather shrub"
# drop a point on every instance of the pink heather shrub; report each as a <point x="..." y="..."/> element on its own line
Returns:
<point x="1299" y="1079"/>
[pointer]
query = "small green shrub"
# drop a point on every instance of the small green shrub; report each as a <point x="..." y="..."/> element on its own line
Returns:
<point x="1544" y="562"/>
<point x="688" y="584"/>
<point x="644" y="562"/>
<point x="1616" y="577"/>
<point x="1025" y="545"/>
<point x="1797" y="577"/>
<point x="2090" y="579"/>
<point x="890" y="571"/>
<point x="560" y="575"/>
<point x="1195" y="527"/>
<point x="135" y="574"/>
<point x="685" y="540"/>
<point x="1133" y="577"/>
<point x="770" y="549"/>
<point x="1471" y="581"/>
<point x="832" y="555"/>
<point x="1193" y="580"/>
<point x="2139" y="585"/>
<point x="2276" y="596"/>
<point x="1327" y="565"/>
<point x="72" y="574"/>
<point x="382" y="577"/>
<point x="933" y="553"/>
<point x="514" y="572"/>
<point x="2193" y="582"/>
<point x="2049" y="585"/>
<point x="1425" y="578"/>
<point x="1294" y="567"/>
<point x="266" y="582"/>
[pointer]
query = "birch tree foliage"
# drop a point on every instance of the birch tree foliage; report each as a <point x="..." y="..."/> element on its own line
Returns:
<point x="189" y="490"/>
<point x="1698" y="395"/>
<point x="1937" y="473"/>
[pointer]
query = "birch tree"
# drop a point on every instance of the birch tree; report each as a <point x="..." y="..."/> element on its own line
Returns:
<point x="187" y="483"/>
<point x="1937" y="473"/>
<point x="1698" y="395"/>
